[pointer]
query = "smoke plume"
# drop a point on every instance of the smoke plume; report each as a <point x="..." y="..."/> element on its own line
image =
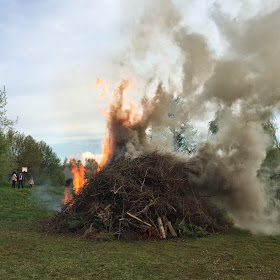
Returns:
<point x="242" y="84"/>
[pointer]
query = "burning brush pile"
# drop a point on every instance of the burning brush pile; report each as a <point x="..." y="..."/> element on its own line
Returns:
<point x="145" y="195"/>
<point x="143" y="191"/>
<point x="149" y="197"/>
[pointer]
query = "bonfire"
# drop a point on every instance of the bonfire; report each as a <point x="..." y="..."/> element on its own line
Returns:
<point x="137" y="193"/>
<point x="151" y="197"/>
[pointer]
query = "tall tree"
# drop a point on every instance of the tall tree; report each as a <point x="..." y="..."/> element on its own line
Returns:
<point x="270" y="128"/>
<point x="272" y="160"/>
<point x="90" y="166"/>
<point x="29" y="155"/>
<point x="5" y="123"/>
<point x="6" y="160"/>
<point x="51" y="168"/>
<point x="25" y="152"/>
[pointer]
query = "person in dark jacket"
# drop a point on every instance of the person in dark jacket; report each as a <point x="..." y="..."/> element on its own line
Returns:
<point x="20" y="180"/>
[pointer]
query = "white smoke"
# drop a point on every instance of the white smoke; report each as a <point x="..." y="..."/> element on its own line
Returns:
<point x="241" y="83"/>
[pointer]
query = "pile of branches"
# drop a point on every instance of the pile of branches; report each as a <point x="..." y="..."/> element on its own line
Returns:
<point x="149" y="197"/>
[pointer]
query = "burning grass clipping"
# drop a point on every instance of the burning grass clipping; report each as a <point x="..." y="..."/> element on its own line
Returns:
<point x="142" y="189"/>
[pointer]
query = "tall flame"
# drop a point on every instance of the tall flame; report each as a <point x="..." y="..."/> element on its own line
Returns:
<point x="122" y="111"/>
<point x="79" y="175"/>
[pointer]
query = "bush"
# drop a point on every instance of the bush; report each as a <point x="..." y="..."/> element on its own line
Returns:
<point x="188" y="230"/>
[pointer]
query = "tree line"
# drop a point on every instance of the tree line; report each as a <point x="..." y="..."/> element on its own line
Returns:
<point x="18" y="150"/>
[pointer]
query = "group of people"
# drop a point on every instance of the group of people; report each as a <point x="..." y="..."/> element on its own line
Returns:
<point x="19" y="178"/>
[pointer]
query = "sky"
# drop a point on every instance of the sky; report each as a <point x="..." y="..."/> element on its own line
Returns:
<point x="52" y="52"/>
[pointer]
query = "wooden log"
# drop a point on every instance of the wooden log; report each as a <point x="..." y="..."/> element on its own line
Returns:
<point x="170" y="227"/>
<point x="161" y="228"/>
<point x="138" y="219"/>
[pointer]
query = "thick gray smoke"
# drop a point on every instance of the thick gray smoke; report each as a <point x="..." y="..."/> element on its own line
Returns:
<point x="242" y="84"/>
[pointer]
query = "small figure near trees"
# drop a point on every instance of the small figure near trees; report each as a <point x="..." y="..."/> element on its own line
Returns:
<point x="14" y="179"/>
<point x="31" y="182"/>
<point x="20" y="180"/>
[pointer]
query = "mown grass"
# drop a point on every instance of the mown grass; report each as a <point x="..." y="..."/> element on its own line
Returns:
<point x="27" y="253"/>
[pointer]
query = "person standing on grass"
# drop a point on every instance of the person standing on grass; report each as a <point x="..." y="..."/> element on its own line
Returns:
<point x="20" y="180"/>
<point x="31" y="182"/>
<point x="14" y="179"/>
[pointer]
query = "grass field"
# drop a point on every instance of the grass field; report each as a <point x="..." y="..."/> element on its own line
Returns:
<point x="27" y="253"/>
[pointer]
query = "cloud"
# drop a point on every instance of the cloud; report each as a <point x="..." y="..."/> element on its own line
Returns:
<point x="89" y="155"/>
<point x="52" y="53"/>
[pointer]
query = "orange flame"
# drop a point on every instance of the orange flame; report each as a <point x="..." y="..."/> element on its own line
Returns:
<point x="67" y="197"/>
<point x="79" y="176"/>
<point x="123" y="111"/>
<point x="105" y="153"/>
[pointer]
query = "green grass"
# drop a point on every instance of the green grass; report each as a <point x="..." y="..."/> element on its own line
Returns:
<point x="27" y="253"/>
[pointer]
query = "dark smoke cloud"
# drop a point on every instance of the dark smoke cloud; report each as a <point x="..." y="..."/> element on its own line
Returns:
<point x="242" y="84"/>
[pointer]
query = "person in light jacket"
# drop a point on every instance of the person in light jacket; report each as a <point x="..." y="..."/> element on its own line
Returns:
<point x="14" y="179"/>
<point x="31" y="182"/>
